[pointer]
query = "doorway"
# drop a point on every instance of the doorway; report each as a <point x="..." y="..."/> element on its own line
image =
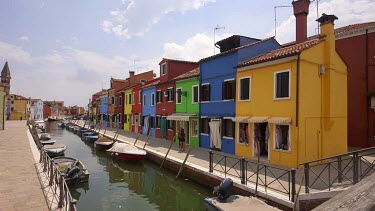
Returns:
<point x="136" y="123"/>
<point x="261" y="132"/>
<point x="185" y="126"/>
<point x="163" y="127"/>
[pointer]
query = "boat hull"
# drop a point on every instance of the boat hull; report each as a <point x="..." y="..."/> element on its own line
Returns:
<point x="91" y="138"/>
<point x="126" y="156"/>
<point x="102" y="146"/>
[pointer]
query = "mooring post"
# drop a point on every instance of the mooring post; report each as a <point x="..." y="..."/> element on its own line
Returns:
<point x="211" y="169"/>
<point x="306" y="170"/>
<point x="137" y="138"/>
<point x="61" y="197"/>
<point x="148" y="136"/>
<point x="183" y="164"/>
<point x="293" y="172"/>
<point x="243" y="177"/>
<point x="170" y="146"/>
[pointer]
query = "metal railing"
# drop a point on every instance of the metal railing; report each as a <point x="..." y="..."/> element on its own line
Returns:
<point x="56" y="182"/>
<point x="277" y="179"/>
<point x="339" y="171"/>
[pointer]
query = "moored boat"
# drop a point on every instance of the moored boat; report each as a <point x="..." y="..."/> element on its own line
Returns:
<point x="44" y="136"/>
<point x="126" y="151"/>
<point x="47" y="142"/>
<point x="72" y="170"/>
<point x="91" y="138"/>
<point x="103" y="143"/>
<point x="55" y="149"/>
<point x="40" y="124"/>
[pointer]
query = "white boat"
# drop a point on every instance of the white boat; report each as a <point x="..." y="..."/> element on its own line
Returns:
<point x="55" y="150"/>
<point x="47" y="142"/>
<point x="40" y="124"/>
<point x="126" y="151"/>
<point x="72" y="169"/>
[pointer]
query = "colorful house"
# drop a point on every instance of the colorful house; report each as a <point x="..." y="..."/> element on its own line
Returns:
<point x="148" y="120"/>
<point x="293" y="99"/>
<point x="187" y="106"/>
<point x="128" y="102"/>
<point x="217" y="89"/>
<point x="165" y="95"/>
<point x="36" y="109"/>
<point x="20" y="107"/>
<point x="103" y="108"/>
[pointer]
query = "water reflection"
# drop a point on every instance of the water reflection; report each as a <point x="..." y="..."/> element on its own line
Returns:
<point x="119" y="185"/>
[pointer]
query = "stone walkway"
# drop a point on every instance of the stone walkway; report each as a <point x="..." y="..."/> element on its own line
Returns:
<point x="20" y="188"/>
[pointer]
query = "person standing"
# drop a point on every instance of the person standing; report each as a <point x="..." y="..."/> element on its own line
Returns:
<point x="181" y="138"/>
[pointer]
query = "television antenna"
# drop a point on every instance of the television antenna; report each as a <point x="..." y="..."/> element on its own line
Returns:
<point x="217" y="28"/>
<point x="275" y="8"/>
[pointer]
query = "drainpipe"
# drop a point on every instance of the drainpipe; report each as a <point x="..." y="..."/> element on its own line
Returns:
<point x="297" y="90"/>
<point x="367" y="97"/>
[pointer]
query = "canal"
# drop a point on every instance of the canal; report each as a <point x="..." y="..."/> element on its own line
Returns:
<point x="119" y="185"/>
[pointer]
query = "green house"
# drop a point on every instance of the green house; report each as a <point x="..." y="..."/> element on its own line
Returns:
<point x="187" y="106"/>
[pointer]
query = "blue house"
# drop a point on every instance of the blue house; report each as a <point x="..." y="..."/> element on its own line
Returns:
<point x="218" y="89"/>
<point x="148" y="96"/>
<point x="103" y="109"/>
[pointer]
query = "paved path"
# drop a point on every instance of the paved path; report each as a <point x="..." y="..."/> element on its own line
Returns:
<point x="20" y="188"/>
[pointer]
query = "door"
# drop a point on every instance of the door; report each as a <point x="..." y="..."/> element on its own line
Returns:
<point x="163" y="127"/>
<point x="215" y="134"/>
<point x="136" y="123"/>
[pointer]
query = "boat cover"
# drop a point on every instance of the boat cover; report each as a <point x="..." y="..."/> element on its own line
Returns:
<point x="121" y="147"/>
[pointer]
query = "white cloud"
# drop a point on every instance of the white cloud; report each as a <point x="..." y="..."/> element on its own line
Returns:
<point x="16" y="53"/>
<point x="74" y="39"/>
<point x="348" y="12"/>
<point x="194" y="48"/>
<point x="136" y="17"/>
<point x="23" y="38"/>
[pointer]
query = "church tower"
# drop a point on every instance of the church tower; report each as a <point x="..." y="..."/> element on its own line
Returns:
<point x="5" y="77"/>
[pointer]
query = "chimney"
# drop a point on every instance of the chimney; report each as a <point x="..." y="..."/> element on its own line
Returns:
<point x="301" y="10"/>
<point x="327" y="30"/>
<point x="132" y="78"/>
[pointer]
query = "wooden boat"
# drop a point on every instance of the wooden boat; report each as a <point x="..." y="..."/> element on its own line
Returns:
<point x="55" y="150"/>
<point x="47" y="142"/>
<point x="103" y="143"/>
<point x="44" y="136"/>
<point x="91" y="138"/>
<point x="72" y="170"/>
<point x="126" y="151"/>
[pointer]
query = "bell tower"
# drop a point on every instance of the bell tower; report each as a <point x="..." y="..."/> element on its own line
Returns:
<point x="5" y="77"/>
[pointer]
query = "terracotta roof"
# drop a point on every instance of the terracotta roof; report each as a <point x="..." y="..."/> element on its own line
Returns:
<point x="151" y="84"/>
<point x="192" y="73"/>
<point x="354" y="27"/>
<point x="176" y="60"/>
<point x="235" y="49"/>
<point x="282" y="52"/>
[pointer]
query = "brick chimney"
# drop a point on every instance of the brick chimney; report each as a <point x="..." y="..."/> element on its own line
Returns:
<point x="301" y="10"/>
<point x="132" y="78"/>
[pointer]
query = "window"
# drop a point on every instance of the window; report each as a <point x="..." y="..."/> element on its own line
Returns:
<point x="144" y="100"/>
<point x="178" y="96"/>
<point x="163" y="69"/>
<point x="195" y="94"/>
<point x="152" y="99"/>
<point x="169" y="94"/>
<point x="133" y="96"/>
<point x="205" y="128"/>
<point x="133" y="119"/>
<point x="205" y="93"/>
<point x="159" y="96"/>
<point x="228" y="128"/>
<point x="170" y="124"/>
<point x="194" y="127"/>
<point x="244" y="89"/>
<point x="282" y="85"/>
<point x="158" y="121"/>
<point x="139" y="97"/>
<point x="243" y="133"/>
<point x="281" y="137"/>
<point x="12" y="102"/>
<point x="151" y="122"/>
<point x="130" y="99"/>
<point x="113" y="100"/>
<point x="228" y="89"/>
<point x="125" y="119"/>
<point x="120" y="100"/>
<point x="126" y="99"/>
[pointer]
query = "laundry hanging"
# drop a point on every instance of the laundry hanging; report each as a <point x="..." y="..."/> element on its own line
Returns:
<point x="215" y="137"/>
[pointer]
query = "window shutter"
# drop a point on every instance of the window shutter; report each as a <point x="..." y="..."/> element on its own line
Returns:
<point x="172" y="93"/>
<point x="233" y="89"/>
<point x="223" y="91"/>
<point x="233" y="128"/>
<point x="200" y="94"/>
<point x="208" y="92"/>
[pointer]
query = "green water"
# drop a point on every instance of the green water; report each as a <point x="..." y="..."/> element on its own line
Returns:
<point x="119" y="185"/>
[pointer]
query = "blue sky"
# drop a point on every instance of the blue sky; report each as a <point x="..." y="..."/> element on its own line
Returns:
<point x="69" y="49"/>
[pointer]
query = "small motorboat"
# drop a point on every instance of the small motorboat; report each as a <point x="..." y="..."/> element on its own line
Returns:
<point x="103" y="143"/>
<point x="40" y="124"/>
<point x="44" y="136"/>
<point x="47" y="142"/>
<point x="72" y="170"/>
<point x="55" y="149"/>
<point x="89" y="133"/>
<point x="126" y="151"/>
<point x="91" y="138"/>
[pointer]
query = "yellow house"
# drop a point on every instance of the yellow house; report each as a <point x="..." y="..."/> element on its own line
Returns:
<point x="19" y="107"/>
<point x="128" y="102"/>
<point x="294" y="101"/>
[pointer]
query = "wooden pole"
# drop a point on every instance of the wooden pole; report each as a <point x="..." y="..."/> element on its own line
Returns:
<point x="256" y="184"/>
<point x="148" y="136"/>
<point x="137" y="138"/>
<point x="183" y="164"/>
<point x="165" y="157"/>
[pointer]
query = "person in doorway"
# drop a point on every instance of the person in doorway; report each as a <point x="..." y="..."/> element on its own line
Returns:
<point x="256" y="139"/>
<point x="181" y="138"/>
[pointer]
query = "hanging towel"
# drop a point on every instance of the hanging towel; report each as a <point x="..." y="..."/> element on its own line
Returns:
<point x="215" y="138"/>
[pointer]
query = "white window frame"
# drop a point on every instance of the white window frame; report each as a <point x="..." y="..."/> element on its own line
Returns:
<point x="289" y="137"/>
<point x="208" y="91"/>
<point x="162" y="95"/>
<point x="239" y="88"/>
<point x="274" y="85"/>
<point x="133" y="96"/>
<point x="197" y="121"/>
<point x="152" y="99"/>
<point x="139" y="96"/>
<point x="192" y="94"/>
<point x="144" y="100"/>
<point x="170" y="88"/>
<point x="201" y="133"/>
<point x="177" y="95"/>
<point x="133" y="119"/>
<point x="234" y="132"/>
<point x="161" y="69"/>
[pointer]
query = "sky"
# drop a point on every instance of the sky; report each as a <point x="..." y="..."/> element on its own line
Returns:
<point x="68" y="49"/>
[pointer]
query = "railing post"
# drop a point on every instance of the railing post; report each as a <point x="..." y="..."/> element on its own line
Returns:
<point x="339" y="167"/>
<point x="211" y="162"/>
<point x="355" y="168"/>
<point x="307" y="182"/>
<point x="61" y="198"/>
<point x="45" y="162"/>
<point x="243" y="161"/>
<point x="293" y="172"/>
<point x="51" y="174"/>
<point x="41" y="156"/>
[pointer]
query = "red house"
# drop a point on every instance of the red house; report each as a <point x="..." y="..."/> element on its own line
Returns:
<point x="165" y="94"/>
<point x="47" y="111"/>
<point x="356" y="45"/>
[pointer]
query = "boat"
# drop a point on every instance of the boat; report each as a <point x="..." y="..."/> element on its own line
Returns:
<point x="91" y="138"/>
<point x="47" y="142"/>
<point x="89" y="133"/>
<point x="40" y="124"/>
<point x="55" y="150"/>
<point x="126" y="151"/>
<point x="44" y="136"/>
<point x="103" y="143"/>
<point x="72" y="170"/>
